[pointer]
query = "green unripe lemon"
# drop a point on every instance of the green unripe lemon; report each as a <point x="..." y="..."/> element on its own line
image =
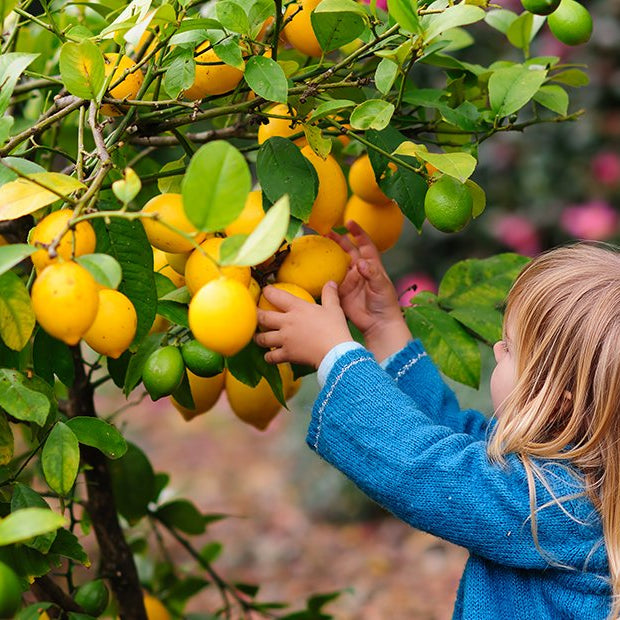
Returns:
<point x="200" y="360"/>
<point x="448" y="204"/>
<point x="163" y="372"/>
<point x="92" y="597"/>
<point x="10" y="592"/>
<point x="540" y="7"/>
<point x="571" y="23"/>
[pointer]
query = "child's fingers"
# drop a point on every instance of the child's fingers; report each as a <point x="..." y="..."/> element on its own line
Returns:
<point x="268" y="319"/>
<point x="329" y="295"/>
<point x="374" y="274"/>
<point x="268" y="339"/>
<point x="366" y="247"/>
<point x="346" y="244"/>
<point x="282" y="299"/>
<point x="276" y="356"/>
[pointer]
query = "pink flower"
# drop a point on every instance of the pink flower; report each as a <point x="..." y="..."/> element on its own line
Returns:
<point x="381" y="4"/>
<point x="410" y="285"/>
<point x="606" y="167"/>
<point x="592" y="220"/>
<point x="518" y="233"/>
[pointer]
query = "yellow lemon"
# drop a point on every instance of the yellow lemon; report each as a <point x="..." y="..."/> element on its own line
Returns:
<point x="256" y="406"/>
<point x="254" y="288"/>
<point x="161" y="265"/>
<point x="382" y="222"/>
<point x="293" y="289"/>
<point x="169" y="209"/>
<point x="201" y="268"/>
<point x="331" y="199"/>
<point x="298" y="31"/>
<point x="127" y="89"/>
<point x="177" y="261"/>
<point x="76" y="242"/>
<point x="250" y="217"/>
<point x="213" y="77"/>
<point x="160" y="324"/>
<point x="155" y="609"/>
<point x="65" y="298"/>
<point x="363" y="183"/>
<point x="114" y="327"/>
<point x="282" y="127"/>
<point x="222" y="316"/>
<point x="205" y="392"/>
<point x="312" y="262"/>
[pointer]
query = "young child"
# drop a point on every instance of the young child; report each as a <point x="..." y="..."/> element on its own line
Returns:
<point x="533" y="494"/>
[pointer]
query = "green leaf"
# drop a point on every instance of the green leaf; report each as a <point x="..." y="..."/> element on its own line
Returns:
<point x="67" y="545"/>
<point x="132" y="499"/>
<point x="215" y="186"/>
<point x="282" y="169"/>
<point x="264" y="240"/>
<point x="485" y="321"/>
<point x="320" y="145"/>
<point x="435" y="24"/>
<point x="553" y="97"/>
<point x="82" y="69"/>
<point x="232" y="17"/>
<point x="173" y="311"/>
<point x="17" y="318"/>
<point x="458" y="165"/>
<point x="182" y="515"/>
<point x="180" y="73"/>
<point x="25" y="166"/>
<point x="27" y="523"/>
<point x="127" y="188"/>
<point x="480" y="282"/>
<point x="211" y="551"/>
<point x="266" y="78"/>
<point x="25" y="497"/>
<point x="23" y="398"/>
<point x="6" y="124"/>
<point x="511" y="88"/>
<point x="385" y="75"/>
<point x="98" y="434"/>
<point x="171" y="184"/>
<point x="408" y="189"/>
<point x="60" y="459"/>
<point x="478" y="196"/>
<point x="12" y="65"/>
<point x="13" y="254"/>
<point x="405" y="14"/>
<point x="520" y="31"/>
<point x="126" y="241"/>
<point x="500" y="19"/>
<point x="151" y="343"/>
<point x="330" y="108"/>
<point x="52" y="357"/>
<point x="571" y="77"/>
<point x="454" y="351"/>
<point x="337" y="22"/>
<point x="103" y="267"/>
<point x="372" y="114"/>
<point x="7" y="443"/>
<point x="228" y="51"/>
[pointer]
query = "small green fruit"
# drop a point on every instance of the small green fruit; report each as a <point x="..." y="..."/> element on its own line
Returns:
<point x="448" y="204"/>
<point x="540" y="7"/>
<point x="163" y="372"/>
<point x="571" y="23"/>
<point x="10" y="592"/>
<point x="92" y="597"/>
<point x="200" y="360"/>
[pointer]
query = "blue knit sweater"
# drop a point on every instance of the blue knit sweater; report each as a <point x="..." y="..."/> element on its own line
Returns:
<point x="400" y="435"/>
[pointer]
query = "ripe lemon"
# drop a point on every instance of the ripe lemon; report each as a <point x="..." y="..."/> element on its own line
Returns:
<point x="222" y="316"/>
<point x="114" y="327"/>
<point x="331" y="199"/>
<point x="299" y="32"/>
<point x="290" y="385"/>
<point x="177" y="261"/>
<point x="382" y="222"/>
<point x="10" y="592"/>
<point x="312" y="262"/>
<point x="540" y="7"/>
<point x="127" y="89"/>
<point x="282" y="127"/>
<point x="448" y="204"/>
<point x="201" y="269"/>
<point x="250" y="217"/>
<point x="293" y="289"/>
<point x="363" y="183"/>
<point x="571" y="23"/>
<point x="169" y="209"/>
<point x="201" y="361"/>
<point x="65" y="298"/>
<point x="254" y="288"/>
<point x="163" y="372"/>
<point x="3" y="240"/>
<point x="80" y="240"/>
<point x="213" y="77"/>
<point x="256" y="406"/>
<point x="160" y="324"/>
<point x="205" y="392"/>
<point x="155" y="609"/>
<point x="161" y="265"/>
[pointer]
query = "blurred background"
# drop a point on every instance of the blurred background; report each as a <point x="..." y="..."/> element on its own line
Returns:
<point x="296" y="526"/>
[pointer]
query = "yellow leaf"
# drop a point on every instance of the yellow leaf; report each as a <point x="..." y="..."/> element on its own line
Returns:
<point x="22" y="196"/>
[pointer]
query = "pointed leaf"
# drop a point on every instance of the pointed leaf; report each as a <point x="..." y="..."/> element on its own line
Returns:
<point x="182" y="515"/>
<point x="434" y="24"/>
<point x="12" y="65"/>
<point x="23" y="398"/>
<point x="81" y="69"/>
<point x="512" y="87"/>
<point x="405" y="14"/>
<point x="337" y="22"/>
<point x="13" y="254"/>
<point x="103" y="267"/>
<point x="215" y="186"/>
<point x="553" y="97"/>
<point x="60" y="459"/>
<point x="17" y="318"/>
<point x="266" y="78"/>
<point x="485" y="321"/>
<point x="26" y="523"/>
<point x="372" y="114"/>
<point x="7" y="443"/>
<point x="98" y="434"/>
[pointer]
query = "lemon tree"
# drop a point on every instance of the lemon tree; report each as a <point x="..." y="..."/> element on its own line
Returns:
<point x="160" y="164"/>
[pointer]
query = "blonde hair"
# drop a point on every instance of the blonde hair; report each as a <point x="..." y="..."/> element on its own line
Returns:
<point x="564" y="313"/>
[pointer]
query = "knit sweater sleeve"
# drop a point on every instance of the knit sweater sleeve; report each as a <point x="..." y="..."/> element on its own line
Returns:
<point x="416" y="375"/>
<point x="425" y="473"/>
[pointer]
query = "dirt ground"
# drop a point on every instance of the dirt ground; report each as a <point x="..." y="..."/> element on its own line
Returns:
<point x="297" y="526"/>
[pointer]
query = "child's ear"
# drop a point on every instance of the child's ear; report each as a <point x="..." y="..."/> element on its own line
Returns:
<point x="567" y="395"/>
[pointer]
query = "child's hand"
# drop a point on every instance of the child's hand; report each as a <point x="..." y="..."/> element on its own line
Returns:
<point x="302" y="332"/>
<point x="368" y="296"/>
